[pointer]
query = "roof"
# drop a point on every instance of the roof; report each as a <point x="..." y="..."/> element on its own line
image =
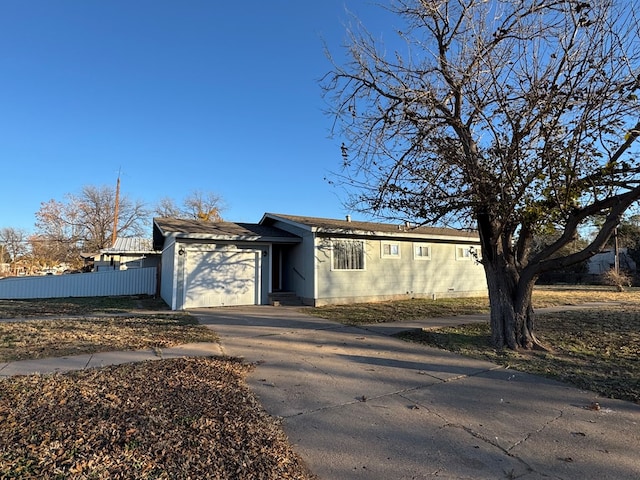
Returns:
<point x="130" y="245"/>
<point x="347" y="226"/>
<point x="196" y="229"/>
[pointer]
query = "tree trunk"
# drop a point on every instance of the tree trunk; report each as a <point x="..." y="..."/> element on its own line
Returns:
<point x="512" y="316"/>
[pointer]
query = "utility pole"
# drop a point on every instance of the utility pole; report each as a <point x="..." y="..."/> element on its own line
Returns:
<point x="616" y="251"/>
<point x="114" y="235"/>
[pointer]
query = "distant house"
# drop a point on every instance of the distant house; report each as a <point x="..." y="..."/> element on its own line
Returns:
<point x="319" y="261"/>
<point x="604" y="261"/>
<point x="127" y="253"/>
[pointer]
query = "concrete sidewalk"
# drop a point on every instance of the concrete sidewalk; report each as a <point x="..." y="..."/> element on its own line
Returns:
<point x="358" y="404"/>
<point x="92" y="360"/>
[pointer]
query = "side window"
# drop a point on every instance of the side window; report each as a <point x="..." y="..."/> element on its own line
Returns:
<point x="463" y="252"/>
<point x="390" y="250"/>
<point x="422" y="251"/>
<point x="347" y="255"/>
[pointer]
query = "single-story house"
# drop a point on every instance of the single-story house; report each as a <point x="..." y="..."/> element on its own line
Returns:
<point x="126" y="253"/>
<point x="604" y="261"/>
<point x="320" y="261"/>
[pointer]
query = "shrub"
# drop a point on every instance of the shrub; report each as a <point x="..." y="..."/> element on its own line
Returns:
<point x="618" y="279"/>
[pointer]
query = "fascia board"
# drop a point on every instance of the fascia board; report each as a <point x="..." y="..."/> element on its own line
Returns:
<point x="235" y="238"/>
<point x="401" y="235"/>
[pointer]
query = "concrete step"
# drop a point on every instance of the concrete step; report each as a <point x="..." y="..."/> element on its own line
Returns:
<point x="285" y="299"/>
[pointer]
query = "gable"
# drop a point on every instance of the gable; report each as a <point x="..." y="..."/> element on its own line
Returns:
<point x="164" y="228"/>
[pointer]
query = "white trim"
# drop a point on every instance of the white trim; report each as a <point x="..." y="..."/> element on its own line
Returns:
<point x="364" y="256"/>
<point x="463" y="253"/>
<point x="421" y="245"/>
<point x="390" y="244"/>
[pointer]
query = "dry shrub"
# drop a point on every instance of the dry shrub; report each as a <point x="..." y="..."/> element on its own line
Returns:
<point x="618" y="279"/>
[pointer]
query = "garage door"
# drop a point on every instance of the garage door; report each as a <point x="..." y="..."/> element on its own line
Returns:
<point x="227" y="277"/>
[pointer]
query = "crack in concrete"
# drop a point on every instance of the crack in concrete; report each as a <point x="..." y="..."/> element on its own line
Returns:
<point x="542" y="428"/>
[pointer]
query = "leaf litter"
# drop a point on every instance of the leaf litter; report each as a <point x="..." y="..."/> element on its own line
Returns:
<point x="189" y="418"/>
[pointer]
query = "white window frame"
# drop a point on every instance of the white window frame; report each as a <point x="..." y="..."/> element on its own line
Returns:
<point x="426" y="246"/>
<point x="390" y="254"/>
<point x="463" y="253"/>
<point x="333" y="255"/>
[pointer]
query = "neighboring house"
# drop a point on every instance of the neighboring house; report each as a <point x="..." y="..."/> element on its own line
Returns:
<point x="604" y="261"/>
<point x="321" y="261"/>
<point x="127" y="253"/>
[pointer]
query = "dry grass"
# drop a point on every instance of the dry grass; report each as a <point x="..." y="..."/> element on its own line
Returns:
<point x="165" y="419"/>
<point x="55" y="307"/>
<point x="24" y="339"/>
<point x="594" y="349"/>
<point x="415" y="309"/>
<point x="71" y="326"/>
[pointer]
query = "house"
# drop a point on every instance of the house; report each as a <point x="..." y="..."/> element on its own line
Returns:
<point x="604" y="261"/>
<point x="320" y="261"/>
<point x="127" y="253"/>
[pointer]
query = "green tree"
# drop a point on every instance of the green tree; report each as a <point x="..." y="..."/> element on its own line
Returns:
<point x="512" y="116"/>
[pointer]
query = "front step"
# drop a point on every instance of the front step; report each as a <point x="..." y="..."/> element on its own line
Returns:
<point x="288" y="299"/>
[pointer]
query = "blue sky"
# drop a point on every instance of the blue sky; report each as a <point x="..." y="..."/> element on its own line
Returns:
<point x="211" y="95"/>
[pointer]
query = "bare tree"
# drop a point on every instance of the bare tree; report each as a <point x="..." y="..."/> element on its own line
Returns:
<point x="514" y="115"/>
<point x="85" y="221"/>
<point x="198" y="205"/>
<point x="14" y="245"/>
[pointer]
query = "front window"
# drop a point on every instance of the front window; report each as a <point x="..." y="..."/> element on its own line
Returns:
<point x="347" y="255"/>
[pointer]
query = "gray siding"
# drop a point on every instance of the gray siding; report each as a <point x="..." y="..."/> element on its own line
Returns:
<point x="168" y="278"/>
<point x="404" y="277"/>
<point x="138" y="281"/>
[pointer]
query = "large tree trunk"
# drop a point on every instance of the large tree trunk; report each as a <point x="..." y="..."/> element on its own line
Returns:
<point x="512" y="316"/>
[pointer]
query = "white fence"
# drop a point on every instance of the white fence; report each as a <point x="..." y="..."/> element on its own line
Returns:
<point x="136" y="281"/>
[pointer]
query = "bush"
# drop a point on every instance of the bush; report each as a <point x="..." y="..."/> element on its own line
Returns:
<point x="617" y="279"/>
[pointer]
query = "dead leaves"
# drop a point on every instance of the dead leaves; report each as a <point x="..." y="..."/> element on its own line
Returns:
<point x="76" y="335"/>
<point x="178" y="419"/>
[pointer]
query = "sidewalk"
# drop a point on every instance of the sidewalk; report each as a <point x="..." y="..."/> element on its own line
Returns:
<point x="359" y="404"/>
<point x="92" y="360"/>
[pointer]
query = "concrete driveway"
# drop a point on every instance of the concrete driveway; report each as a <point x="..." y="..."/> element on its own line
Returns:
<point x="359" y="404"/>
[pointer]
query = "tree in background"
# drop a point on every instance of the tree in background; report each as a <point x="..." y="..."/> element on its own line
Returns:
<point x="85" y="221"/>
<point x="198" y="205"/>
<point x="14" y="246"/>
<point x="48" y="253"/>
<point x="514" y="115"/>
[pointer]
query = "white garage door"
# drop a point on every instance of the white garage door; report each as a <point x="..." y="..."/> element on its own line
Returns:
<point x="226" y="277"/>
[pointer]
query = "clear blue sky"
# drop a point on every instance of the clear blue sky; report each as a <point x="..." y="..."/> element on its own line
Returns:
<point x="207" y="95"/>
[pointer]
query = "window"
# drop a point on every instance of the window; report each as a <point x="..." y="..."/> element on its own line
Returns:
<point x="390" y="250"/>
<point x="463" y="252"/>
<point x="347" y="255"/>
<point x="421" y="251"/>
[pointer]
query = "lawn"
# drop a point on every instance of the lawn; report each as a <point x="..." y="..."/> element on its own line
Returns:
<point x="416" y="309"/>
<point x="595" y="348"/>
<point x="60" y="327"/>
<point x="164" y="419"/>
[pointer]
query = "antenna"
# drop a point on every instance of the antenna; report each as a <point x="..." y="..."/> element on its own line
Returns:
<point x="114" y="235"/>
